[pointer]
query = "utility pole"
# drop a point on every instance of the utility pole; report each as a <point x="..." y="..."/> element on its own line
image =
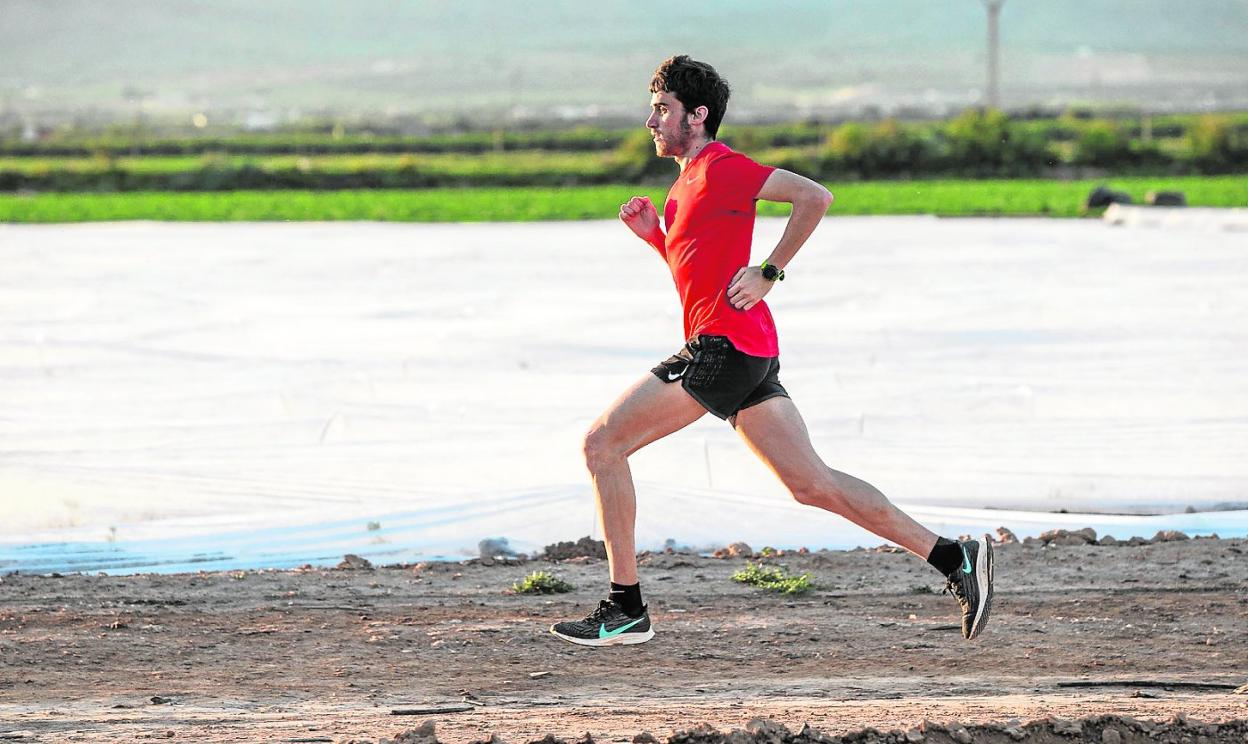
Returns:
<point x="994" y="51"/>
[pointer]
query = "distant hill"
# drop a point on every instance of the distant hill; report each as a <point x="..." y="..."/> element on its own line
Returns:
<point x="268" y="60"/>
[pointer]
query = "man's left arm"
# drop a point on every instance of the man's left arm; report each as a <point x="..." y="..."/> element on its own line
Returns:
<point x="810" y="202"/>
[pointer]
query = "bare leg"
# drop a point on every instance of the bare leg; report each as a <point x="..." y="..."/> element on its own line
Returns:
<point x="775" y="431"/>
<point x="649" y="410"/>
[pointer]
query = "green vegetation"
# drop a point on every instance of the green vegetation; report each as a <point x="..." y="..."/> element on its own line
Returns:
<point x="330" y="140"/>
<point x="541" y="582"/>
<point x="975" y="144"/>
<point x="947" y="198"/>
<point x="774" y="578"/>
<point x="886" y="167"/>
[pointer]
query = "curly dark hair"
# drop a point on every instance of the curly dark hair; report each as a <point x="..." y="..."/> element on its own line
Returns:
<point x="694" y="84"/>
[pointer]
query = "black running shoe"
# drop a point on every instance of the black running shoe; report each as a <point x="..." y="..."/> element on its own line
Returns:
<point x="606" y="626"/>
<point x="971" y="585"/>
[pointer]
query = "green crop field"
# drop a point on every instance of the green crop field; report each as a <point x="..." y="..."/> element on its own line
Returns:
<point x="950" y="198"/>
<point x="459" y="164"/>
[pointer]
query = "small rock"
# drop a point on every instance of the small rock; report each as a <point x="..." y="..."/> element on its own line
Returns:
<point x="1087" y="533"/>
<point x="961" y="735"/>
<point x="495" y="547"/>
<point x="1170" y="536"/>
<point x="1108" y="540"/>
<point x="914" y="736"/>
<point x="351" y="561"/>
<point x="1103" y="196"/>
<point x="586" y="546"/>
<point x="1166" y="199"/>
<point x="1067" y="727"/>
<point x="767" y="731"/>
<point x="1111" y="736"/>
<point x="1032" y="541"/>
<point x="645" y="737"/>
<point x="422" y="734"/>
<point x="158" y="700"/>
<point x="1006" y="536"/>
<point x="740" y="550"/>
<point x="1016" y="733"/>
<point x="1137" y="540"/>
<point x="538" y="675"/>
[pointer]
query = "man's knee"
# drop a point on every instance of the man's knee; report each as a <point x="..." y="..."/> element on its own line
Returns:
<point x="821" y="491"/>
<point x="599" y="448"/>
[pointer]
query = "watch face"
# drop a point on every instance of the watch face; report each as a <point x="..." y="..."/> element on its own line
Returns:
<point x="770" y="273"/>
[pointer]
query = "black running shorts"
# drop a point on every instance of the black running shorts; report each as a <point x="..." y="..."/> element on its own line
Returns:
<point x="721" y="378"/>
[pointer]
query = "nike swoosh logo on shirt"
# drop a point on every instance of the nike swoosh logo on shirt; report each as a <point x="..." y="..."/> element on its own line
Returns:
<point x="604" y="634"/>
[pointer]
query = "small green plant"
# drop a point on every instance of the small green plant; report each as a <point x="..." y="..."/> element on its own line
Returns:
<point x="540" y="582"/>
<point x="767" y="552"/>
<point x="777" y="579"/>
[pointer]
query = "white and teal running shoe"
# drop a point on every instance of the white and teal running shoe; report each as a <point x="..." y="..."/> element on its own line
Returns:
<point x="971" y="585"/>
<point x="606" y="626"/>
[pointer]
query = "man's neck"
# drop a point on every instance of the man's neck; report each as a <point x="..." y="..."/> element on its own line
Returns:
<point x="684" y="160"/>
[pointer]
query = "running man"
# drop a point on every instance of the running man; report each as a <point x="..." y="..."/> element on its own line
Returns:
<point x="729" y="365"/>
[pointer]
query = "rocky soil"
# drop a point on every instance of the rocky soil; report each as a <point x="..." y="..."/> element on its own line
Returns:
<point x="1106" y="643"/>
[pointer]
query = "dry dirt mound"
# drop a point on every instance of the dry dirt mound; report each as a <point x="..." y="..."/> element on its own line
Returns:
<point x="1095" y="729"/>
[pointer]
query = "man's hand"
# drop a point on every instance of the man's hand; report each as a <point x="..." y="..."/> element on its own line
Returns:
<point x="642" y="218"/>
<point x="748" y="287"/>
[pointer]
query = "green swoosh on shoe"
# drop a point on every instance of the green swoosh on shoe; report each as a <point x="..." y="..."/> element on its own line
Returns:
<point x="966" y="561"/>
<point x="604" y="634"/>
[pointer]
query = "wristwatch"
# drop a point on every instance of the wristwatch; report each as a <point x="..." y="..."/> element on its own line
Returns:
<point x="771" y="273"/>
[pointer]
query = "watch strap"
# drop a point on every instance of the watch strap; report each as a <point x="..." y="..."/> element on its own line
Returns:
<point x="771" y="273"/>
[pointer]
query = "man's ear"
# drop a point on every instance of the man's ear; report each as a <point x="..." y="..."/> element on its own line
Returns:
<point x="698" y="115"/>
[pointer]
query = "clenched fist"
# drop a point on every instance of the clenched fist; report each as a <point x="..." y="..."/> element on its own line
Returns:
<point x="642" y="218"/>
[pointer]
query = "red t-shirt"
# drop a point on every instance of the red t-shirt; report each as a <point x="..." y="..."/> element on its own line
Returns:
<point x="709" y="216"/>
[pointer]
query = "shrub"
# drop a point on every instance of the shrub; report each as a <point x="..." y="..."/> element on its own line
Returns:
<point x="1104" y="144"/>
<point x="1216" y="145"/>
<point x="777" y="579"/>
<point x="983" y="143"/>
<point x="541" y="582"/>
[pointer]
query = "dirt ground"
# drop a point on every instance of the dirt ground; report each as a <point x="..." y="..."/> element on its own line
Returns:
<point x="328" y="654"/>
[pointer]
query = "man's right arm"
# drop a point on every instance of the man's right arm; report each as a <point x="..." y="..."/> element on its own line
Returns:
<point x="643" y="219"/>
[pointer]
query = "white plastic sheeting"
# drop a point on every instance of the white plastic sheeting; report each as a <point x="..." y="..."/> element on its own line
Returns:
<point x="256" y="394"/>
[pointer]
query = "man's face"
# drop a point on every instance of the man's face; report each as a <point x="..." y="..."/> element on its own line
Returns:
<point x="669" y="125"/>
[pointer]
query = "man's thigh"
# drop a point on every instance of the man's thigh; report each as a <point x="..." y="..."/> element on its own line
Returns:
<point x="775" y="431"/>
<point x="649" y="410"/>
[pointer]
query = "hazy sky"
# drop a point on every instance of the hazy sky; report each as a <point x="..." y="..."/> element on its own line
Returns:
<point x="492" y="56"/>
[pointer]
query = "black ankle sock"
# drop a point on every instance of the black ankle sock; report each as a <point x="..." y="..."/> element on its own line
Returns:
<point x="627" y="597"/>
<point x="946" y="556"/>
